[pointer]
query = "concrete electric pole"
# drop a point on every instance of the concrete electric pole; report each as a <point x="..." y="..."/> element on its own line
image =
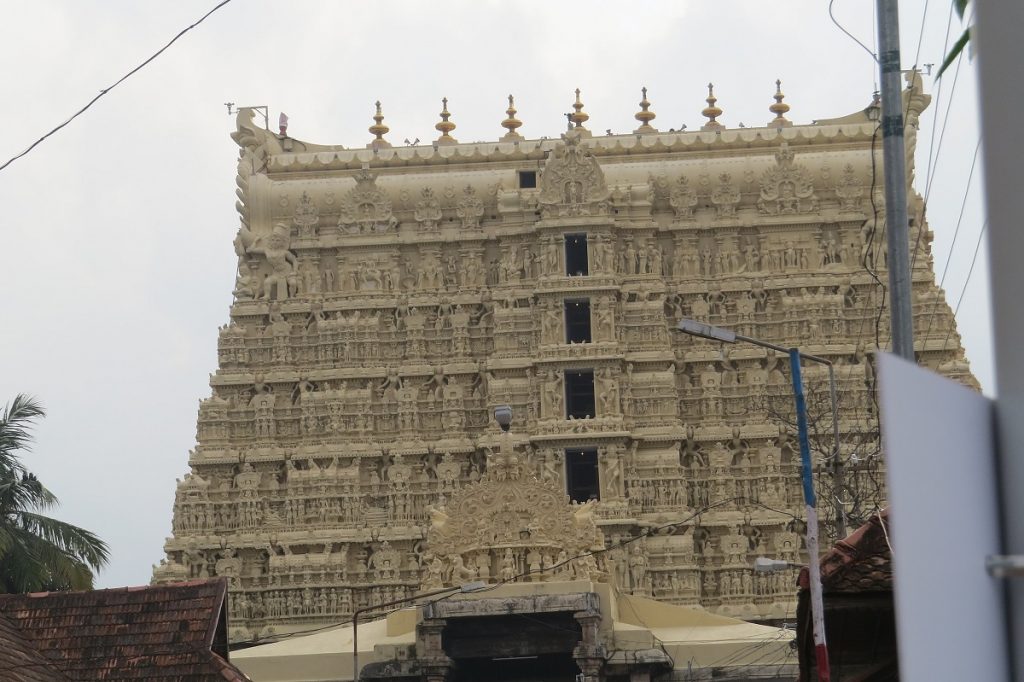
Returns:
<point x="894" y="157"/>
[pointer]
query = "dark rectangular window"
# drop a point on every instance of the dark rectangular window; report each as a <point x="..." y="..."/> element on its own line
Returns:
<point x="577" y="320"/>
<point x="576" y="262"/>
<point x="579" y="393"/>
<point x="527" y="179"/>
<point x="581" y="478"/>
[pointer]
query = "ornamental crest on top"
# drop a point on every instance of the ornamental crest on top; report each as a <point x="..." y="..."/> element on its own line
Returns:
<point x="307" y="215"/>
<point x="785" y="188"/>
<point x="572" y="183"/>
<point x="428" y="211"/>
<point x="510" y="523"/>
<point x="366" y="208"/>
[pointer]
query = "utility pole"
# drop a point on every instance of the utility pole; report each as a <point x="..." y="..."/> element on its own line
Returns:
<point x="811" y="505"/>
<point x="706" y="331"/>
<point x="895" y="164"/>
<point x="1001" y="80"/>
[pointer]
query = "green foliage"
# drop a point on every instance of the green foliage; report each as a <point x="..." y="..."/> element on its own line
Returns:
<point x="37" y="552"/>
<point x="958" y="47"/>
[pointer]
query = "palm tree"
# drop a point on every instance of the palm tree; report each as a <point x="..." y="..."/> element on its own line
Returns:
<point x="965" y="38"/>
<point x="37" y="552"/>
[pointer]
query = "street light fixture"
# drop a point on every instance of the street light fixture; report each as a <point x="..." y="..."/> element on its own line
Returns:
<point x="503" y="415"/>
<point x="763" y="564"/>
<point x="474" y="586"/>
<point x="707" y="331"/>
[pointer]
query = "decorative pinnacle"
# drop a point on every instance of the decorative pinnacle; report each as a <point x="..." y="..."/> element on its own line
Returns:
<point x="579" y="117"/>
<point x="445" y="126"/>
<point x="779" y="109"/>
<point x="711" y="111"/>
<point x="644" y="115"/>
<point x="379" y="129"/>
<point x="511" y="123"/>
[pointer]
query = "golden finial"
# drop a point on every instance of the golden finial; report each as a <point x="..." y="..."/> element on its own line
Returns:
<point x="579" y="117"/>
<point x="511" y="123"/>
<point x="779" y="109"/>
<point x="445" y="126"/>
<point x="379" y="129"/>
<point x="711" y="111"/>
<point x="644" y="115"/>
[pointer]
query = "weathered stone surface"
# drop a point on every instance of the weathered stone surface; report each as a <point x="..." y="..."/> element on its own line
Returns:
<point x="388" y="299"/>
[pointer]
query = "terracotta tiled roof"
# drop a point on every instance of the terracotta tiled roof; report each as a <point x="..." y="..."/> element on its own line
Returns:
<point x="166" y="633"/>
<point x="19" y="661"/>
<point x="861" y="562"/>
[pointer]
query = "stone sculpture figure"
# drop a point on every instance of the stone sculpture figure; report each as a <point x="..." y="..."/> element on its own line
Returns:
<point x="572" y="182"/>
<point x="470" y="209"/>
<point x="390" y="386"/>
<point x="553" y="394"/>
<point x="638" y="569"/>
<point x="280" y="283"/>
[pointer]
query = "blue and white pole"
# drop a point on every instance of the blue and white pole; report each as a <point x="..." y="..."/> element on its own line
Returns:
<point x="811" y="501"/>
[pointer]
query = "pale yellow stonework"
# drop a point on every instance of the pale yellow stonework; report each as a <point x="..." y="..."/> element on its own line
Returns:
<point x="389" y="298"/>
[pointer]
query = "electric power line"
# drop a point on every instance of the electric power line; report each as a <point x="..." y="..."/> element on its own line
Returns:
<point x="963" y="291"/>
<point x="956" y="233"/>
<point x="104" y="91"/>
<point x="852" y="37"/>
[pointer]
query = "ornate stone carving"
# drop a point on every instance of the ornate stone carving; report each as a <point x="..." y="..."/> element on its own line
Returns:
<point x="509" y="525"/>
<point x="366" y="209"/>
<point x="683" y="199"/>
<point x="786" y="188"/>
<point x="280" y="282"/>
<point x="849" y="190"/>
<point x="725" y="197"/>
<point x="307" y="216"/>
<point x="428" y="211"/>
<point x="469" y="209"/>
<point x="361" y="365"/>
<point x="572" y="183"/>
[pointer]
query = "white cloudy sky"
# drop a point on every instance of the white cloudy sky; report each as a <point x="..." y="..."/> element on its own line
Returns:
<point x="116" y="232"/>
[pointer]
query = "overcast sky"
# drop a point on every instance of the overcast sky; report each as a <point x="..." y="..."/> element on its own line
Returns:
<point x="116" y="232"/>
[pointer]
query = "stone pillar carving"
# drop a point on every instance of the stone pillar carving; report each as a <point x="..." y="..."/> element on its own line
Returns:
<point x="589" y="653"/>
<point x="434" y="662"/>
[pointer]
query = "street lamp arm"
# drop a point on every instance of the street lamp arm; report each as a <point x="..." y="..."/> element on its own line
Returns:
<point x="707" y="331"/>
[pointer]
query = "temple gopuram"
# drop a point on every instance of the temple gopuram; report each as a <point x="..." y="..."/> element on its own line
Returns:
<point x="389" y="299"/>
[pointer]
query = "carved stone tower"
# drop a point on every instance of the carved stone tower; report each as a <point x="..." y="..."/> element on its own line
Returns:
<point x="388" y="299"/>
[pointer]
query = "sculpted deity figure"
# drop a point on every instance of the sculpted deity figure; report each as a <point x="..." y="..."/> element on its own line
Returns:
<point x="629" y="259"/>
<point x="553" y="394"/>
<point x="435" y="385"/>
<point x="508" y="566"/>
<point x="613" y="476"/>
<point x="245" y="287"/>
<point x="390" y="386"/>
<point x="435" y="574"/>
<point x="549" y="325"/>
<point x="609" y="392"/>
<point x="281" y="280"/>
<point x="460" y="572"/>
<point x="638" y="568"/>
<point x="303" y="387"/>
<point x="552" y="257"/>
<point x="605" y="322"/>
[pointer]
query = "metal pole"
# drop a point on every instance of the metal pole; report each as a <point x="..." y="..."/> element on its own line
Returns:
<point x="996" y="35"/>
<point x="838" y="474"/>
<point x="813" y="567"/>
<point x="894" y="158"/>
